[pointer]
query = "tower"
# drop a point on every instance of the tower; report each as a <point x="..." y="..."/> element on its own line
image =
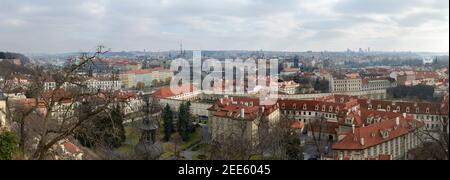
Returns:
<point x="148" y="148"/>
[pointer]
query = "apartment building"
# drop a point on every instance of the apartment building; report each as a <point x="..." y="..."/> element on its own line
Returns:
<point x="3" y="110"/>
<point x="288" y="87"/>
<point x="370" y="84"/>
<point x="239" y="117"/>
<point x="390" y="137"/>
<point x="434" y="115"/>
<point x="130" y="79"/>
<point x="346" y="83"/>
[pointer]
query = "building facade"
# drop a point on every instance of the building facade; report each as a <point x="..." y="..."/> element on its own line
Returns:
<point x="289" y="87"/>
<point x="237" y="117"/>
<point x="377" y="84"/>
<point x="392" y="137"/>
<point x="130" y="79"/>
<point x="3" y="111"/>
<point x="346" y="83"/>
<point x="434" y="115"/>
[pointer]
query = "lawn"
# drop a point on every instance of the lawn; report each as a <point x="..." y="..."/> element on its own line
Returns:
<point x="133" y="135"/>
<point x="132" y="139"/>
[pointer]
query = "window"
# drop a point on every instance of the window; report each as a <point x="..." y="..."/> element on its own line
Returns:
<point x="317" y="107"/>
<point x="428" y="110"/>
<point x="398" y="108"/>
<point x="388" y="108"/>
<point x="417" y="110"/>
<point x="407" y="109"/>
<point x="304" y="107"/>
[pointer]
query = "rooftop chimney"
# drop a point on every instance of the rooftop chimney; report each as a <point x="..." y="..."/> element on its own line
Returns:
<point x="263" y="108"/>
<point x="404" y="115"/>
<point x="353" y="128"/>
<point x="221" y="100"/>
<point x="397" y="121"/>
<point x="242" y="113"/>
<point x="362" y="141"/>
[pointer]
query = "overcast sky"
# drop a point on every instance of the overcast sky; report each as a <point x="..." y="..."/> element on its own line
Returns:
<point x="53" y="26"/>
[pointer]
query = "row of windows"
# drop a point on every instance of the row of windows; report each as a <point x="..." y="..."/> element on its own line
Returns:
<point x="398" y="108"/>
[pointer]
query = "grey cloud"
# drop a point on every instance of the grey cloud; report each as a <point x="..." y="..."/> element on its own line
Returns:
<point x="71" y="25"/>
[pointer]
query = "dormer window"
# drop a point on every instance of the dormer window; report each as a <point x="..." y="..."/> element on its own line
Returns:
<point x="349" y="121"/>
<point x="398" y="108"/>
<point x="388" y="108"/>
<point x="384" y="134"/>
<point x="305" y="107"/>
<point x="379" y="107"/>
<point x="407" y="109"/>
<point x="417" y="110"/>
<point x="330" y="109"/>
<point x="428" y="110"/>
<point x="317" y="107"/>
<point x="323" y="108"/>
<point x="283" y="106"/>
<point x="370" y="106"/>
<point x="294" y="106"/>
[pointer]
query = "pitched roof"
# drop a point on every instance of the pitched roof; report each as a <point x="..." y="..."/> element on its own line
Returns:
<point x="231" y="107"/>
<point x="366" y="137"/>
<point x="434" y="108"/>
<point x="145" y="71"/>
<point x="167" y="92"/>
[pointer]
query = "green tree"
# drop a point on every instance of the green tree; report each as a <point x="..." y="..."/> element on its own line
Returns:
<point x="8" y="145"/>
<point x="168" y="122"/>
<point x="185" y="126"/>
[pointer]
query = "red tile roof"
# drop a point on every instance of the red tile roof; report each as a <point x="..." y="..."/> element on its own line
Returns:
<point x="366" y="137"/>
<point x="71" y="148"/>
<point x="298" y="125"/>
<point x="166" y="92"/>
<point x="231" y="107"/>
<point x="360" y="116"/>
<point x="144" y="71"/>
<point x="434" y="108"/>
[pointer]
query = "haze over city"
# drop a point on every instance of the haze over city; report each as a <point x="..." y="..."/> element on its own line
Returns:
<point x="51" y="26"/>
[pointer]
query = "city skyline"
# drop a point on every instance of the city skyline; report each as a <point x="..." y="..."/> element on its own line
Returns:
<point x="161" y="25"/>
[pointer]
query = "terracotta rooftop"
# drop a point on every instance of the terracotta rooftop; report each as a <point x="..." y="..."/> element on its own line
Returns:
<point x="166" y="92"/>
<point x="231" y="107"/>
<point x="372" y="135"/>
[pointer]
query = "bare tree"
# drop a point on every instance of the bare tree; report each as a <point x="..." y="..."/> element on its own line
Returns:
<point x="57" y="113"/>
<point x="435" y="141"/>
<point x="317" y="128"/>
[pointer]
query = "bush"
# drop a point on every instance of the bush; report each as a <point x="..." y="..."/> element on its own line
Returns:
<point x="8" y="145"/>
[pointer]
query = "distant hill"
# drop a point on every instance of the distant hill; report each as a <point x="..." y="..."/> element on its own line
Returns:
<point x="7" y="66"/>
<point x="8" y="55"/>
